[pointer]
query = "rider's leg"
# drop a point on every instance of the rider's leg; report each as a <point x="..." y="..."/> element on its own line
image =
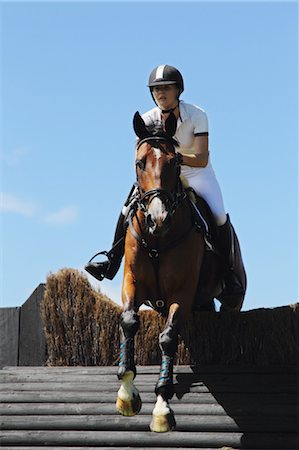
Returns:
<point x="234" y="287"/>
<point x="108" y="269"/>
<point x="206" y="185"/>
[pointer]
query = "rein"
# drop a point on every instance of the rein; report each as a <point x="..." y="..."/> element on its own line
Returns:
<point x="154" y="252"/>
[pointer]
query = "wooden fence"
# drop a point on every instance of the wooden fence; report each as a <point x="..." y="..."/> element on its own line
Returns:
<point x="22" y="341"/>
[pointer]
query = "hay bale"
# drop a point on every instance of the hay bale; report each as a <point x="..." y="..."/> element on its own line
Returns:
<point x="81" y="328"/>
<point x="80" y="324"/>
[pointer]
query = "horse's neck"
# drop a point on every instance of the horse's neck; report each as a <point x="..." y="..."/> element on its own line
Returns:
<point x="181" y="219"/>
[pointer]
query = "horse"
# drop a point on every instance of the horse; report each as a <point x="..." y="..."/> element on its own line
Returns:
<point x="164" y="254"/>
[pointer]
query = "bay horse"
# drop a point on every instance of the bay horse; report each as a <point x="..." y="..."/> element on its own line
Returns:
<point x="164" y="252"/>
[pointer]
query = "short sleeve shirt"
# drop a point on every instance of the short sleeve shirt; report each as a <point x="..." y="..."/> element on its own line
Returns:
<point x="192" y="122"/>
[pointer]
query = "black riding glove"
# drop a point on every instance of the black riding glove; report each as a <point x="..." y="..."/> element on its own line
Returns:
<point x="179" y="158"/>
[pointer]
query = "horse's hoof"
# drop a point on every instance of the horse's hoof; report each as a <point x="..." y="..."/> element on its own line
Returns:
<point x="129" y="407"/>
<point x="162" y="424"/>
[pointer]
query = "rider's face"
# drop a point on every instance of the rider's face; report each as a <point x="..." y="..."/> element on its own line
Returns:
<point x="166" y="95"/>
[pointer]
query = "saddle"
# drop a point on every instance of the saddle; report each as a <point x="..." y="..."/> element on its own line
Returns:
<point x="210" y="280"/>
<point x="204" y="220"/>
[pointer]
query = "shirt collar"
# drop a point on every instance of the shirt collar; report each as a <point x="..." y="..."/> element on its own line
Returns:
<point x="183" y="112"/>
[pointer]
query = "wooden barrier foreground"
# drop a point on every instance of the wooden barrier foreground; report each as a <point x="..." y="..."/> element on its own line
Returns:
<point x="215" y="407"/>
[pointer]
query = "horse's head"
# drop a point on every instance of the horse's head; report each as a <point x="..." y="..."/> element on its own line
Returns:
<point x="157" y="169"/>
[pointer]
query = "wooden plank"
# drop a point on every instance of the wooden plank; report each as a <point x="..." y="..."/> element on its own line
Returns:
<point x="71" y="397"/>
<point x="147" y="408"/>
<point x="178" y="369"/>
<point x="12" y="447"/>
<point x="237" y="409"/>
<point x="146" y="439"/>
<point x="99" y="398"/>
<point x="231" y="379"/>
<point x="141" y="423"/>
<point x="246" y="399"/>
<point x="105" y="397"/>
<point x="60" y="388"/>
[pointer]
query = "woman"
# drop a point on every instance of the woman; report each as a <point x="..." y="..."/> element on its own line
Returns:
<point x="166" y="85"/>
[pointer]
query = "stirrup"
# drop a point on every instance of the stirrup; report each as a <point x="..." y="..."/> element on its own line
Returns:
<point x="93" y="268"/>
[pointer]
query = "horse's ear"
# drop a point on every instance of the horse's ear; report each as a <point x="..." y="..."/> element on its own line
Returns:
<point x="171" y="124"/>
<point x="139" y="126"/>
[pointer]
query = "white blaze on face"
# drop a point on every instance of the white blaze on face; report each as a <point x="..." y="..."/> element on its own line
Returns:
<point x="157" y="209"/>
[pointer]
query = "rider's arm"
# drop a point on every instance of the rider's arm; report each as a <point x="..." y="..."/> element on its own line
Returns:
<point x="200" y="157"/>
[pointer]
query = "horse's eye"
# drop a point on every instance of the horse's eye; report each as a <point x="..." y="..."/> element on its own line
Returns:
<point x="140" y="163"/>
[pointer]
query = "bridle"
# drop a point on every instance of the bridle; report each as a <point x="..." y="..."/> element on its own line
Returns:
<point x="170" y="199"/>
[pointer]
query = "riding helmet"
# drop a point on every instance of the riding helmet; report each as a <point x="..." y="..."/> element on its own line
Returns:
<point x="166" y="75"/>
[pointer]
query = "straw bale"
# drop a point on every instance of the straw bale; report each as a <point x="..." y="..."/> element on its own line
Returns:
<point x="82" y="328"/>
<point x="80" y="323"/>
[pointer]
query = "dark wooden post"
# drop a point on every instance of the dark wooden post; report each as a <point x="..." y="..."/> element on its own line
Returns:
<point x="9" y="336"/>
<point x="32" y="346"/>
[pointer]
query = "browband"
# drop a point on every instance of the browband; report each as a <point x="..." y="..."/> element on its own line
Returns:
<point x="155" y="138"/>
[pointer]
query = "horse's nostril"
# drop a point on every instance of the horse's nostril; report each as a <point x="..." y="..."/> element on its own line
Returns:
<point x="149" y="221"/>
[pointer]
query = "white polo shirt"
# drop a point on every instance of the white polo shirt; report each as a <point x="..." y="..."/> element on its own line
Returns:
<point x="192" y="122"/>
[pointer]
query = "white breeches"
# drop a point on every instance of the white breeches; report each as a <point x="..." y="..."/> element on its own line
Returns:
<point x="203" y="180"/>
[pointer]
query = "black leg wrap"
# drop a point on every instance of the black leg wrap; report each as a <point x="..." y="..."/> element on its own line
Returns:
<point x="126" y="358"/>
<point x="168" y="340"/>
<point x="164" y="385"/>
<point x="129" y="322"/>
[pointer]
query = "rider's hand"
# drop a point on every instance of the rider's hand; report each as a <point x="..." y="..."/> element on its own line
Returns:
<point x="179" y="158"/>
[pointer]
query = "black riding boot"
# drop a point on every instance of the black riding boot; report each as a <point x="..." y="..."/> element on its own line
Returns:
<point x="108" y="269"/>
<point x="233" y="285"/>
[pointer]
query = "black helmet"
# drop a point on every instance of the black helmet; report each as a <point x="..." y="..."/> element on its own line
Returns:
<point x="166" y="75"/>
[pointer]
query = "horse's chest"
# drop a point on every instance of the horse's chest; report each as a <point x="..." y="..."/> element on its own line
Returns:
<point x="164" y="273"/>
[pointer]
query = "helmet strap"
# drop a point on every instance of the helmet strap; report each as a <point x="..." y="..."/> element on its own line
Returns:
<point x="166" y="111"/>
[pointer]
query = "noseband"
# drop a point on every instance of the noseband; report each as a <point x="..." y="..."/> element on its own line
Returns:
<point x="170" y="199"/>
<point x="167" y="197"/>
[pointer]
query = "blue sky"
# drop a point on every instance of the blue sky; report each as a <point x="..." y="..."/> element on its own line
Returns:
<point x="72" y="76"/>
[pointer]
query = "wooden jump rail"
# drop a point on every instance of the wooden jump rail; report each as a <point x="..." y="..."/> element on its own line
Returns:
<point x="215" y="407"/>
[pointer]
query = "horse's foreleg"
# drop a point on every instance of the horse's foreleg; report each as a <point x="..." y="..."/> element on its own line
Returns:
<point x="128" y="400"/>
<point x="163" y="418"/>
